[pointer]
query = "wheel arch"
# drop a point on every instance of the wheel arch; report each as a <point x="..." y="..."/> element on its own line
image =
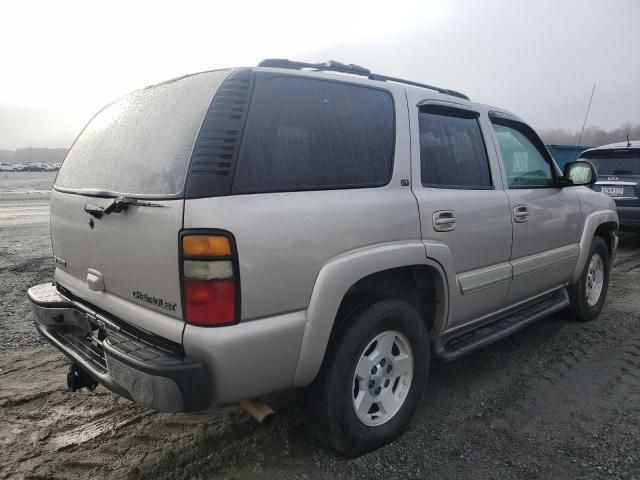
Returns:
<point x="604" y="231"/>
<point x="601" y="223"/>
<point x="381" y="270"/>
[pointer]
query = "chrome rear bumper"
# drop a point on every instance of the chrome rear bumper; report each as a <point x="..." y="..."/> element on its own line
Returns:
<point x="141" y="369"/>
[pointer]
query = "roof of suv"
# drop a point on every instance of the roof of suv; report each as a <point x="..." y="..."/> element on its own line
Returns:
<point x="333" y="66"/>
<point x="632" y="144"/>
<point x="358" y="73"/>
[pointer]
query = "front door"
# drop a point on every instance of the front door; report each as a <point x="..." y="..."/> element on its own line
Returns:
<point x="546" y="218"/>
<point x="464" y="211"/>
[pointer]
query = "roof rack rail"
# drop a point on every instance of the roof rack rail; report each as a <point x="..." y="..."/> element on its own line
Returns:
<point x="333" y="66"/>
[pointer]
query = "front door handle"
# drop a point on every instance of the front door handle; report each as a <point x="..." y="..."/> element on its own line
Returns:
<point x="444" y="221"/>
<point x="521" y="213"/>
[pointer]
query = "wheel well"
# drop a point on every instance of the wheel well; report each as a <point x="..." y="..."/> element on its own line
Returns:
<point x="419" y="285"/>
<point x="604" y="231"/>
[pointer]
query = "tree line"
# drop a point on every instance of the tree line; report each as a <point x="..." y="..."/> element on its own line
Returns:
<point x="592" y="136"/>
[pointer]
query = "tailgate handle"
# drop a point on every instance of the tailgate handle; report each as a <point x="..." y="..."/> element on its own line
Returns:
<point x="95" y="280"/>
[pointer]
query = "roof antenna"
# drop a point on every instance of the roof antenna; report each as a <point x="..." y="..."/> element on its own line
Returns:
<point x="587" y="114"/>
<point x="628" y="142"/>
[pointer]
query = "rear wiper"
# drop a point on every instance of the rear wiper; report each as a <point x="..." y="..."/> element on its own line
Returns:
<point x="118" y="205"/>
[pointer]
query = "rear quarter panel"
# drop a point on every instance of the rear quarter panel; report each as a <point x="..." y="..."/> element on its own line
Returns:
<point x="283" y="239"/>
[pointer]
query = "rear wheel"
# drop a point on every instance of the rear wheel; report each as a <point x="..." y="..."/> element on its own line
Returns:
<point x="371" y="380"/>
<point x="590" y="291"/>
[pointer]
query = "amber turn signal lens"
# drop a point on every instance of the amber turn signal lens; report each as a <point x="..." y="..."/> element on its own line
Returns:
<point x="206" y="246"/>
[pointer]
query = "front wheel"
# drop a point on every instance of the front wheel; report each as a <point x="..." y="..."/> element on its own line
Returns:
<point x="371" y="380"/>
<point x="588" y="294"/>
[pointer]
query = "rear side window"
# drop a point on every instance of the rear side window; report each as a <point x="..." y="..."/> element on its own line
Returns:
<point x="306" y="134"/>
<point x="452" y="151"/>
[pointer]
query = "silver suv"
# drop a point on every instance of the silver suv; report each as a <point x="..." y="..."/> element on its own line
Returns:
<point x="237" y="232"/>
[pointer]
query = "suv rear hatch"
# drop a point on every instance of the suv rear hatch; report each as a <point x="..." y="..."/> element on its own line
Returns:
<point x="125" y="262"/>
<point x="618" y="173"/>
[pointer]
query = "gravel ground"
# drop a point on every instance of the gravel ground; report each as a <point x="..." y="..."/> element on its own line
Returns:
<point x="558" y="400"/>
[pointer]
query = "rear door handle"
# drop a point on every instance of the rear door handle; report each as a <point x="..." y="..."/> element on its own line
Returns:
<point x="521" y="213"/>
<point x="444" y="221"/>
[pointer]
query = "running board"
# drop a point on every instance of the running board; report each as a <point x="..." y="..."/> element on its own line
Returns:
<point x="461" y="343"/>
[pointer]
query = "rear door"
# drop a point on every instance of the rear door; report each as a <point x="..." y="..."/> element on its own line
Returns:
<point x="126" y="262"/>
<point x="463" y="210"/>
<point x="547" y="221"/>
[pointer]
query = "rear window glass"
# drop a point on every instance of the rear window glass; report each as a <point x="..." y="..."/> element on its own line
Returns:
<point x="142" y="143"/>
<point x="615" y="163"/>
<point x="305" y="134"/>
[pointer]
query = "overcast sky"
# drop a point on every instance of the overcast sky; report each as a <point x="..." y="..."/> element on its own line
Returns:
<point x="62" y="61"/>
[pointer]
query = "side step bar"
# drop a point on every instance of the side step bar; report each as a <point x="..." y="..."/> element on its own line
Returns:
<point x="461" y="343"/>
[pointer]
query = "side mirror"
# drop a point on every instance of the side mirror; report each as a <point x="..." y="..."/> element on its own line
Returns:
<point x="580" y="173"/>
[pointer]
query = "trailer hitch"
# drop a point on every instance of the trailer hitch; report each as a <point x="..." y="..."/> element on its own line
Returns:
<point x="78" y="378"/>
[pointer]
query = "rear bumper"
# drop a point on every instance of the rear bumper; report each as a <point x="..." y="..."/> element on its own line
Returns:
<point x="136" y="368"/>
<point x="629" y="217"/>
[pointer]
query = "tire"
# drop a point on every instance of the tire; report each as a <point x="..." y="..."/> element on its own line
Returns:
<point x="380" y="354"/>
<point x="587" y="299"/>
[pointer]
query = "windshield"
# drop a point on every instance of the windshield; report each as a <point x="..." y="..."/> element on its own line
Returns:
<point x="625" y="162"/>
<point x="141" y="143"/>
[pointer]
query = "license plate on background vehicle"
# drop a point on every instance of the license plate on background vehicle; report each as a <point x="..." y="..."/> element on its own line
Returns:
<point x="613" y="191"/>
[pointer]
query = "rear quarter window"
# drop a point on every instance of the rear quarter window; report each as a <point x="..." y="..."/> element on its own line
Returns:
<point x="307" y="134"/>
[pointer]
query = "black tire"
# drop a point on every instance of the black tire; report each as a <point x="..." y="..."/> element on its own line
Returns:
<point x="580" y="309"/>
<point x="327" y="402"/>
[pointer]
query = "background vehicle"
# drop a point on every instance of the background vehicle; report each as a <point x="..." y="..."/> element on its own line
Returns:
<point x="39" y="167"/>
<point x="564" y="154"/>
<point x="8" y="167"/>
<point x="618" y="166"/>
<point x="304" y="229"/>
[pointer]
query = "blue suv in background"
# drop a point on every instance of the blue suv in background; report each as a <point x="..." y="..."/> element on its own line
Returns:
<point x="564" y="154"/>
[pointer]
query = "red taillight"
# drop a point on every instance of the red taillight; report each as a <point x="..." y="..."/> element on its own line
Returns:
<point x="210" y="302"/>
<point x="209" y="279"/>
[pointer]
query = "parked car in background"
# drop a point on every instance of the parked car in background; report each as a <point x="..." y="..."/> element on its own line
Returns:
<point x="40" y="167"/>
<point x="295" y="227"/>
<point x="564" y="154"/>
<point x="8" y="167"/>
<point x="34" y="167"/>
<point x="618" y="167"/>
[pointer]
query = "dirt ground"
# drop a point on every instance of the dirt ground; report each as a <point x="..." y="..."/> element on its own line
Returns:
<point x="558" y="400"/>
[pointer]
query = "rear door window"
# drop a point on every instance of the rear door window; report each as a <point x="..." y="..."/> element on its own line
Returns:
<point x="307" y="134"/>
<point x="452" y="150"/>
